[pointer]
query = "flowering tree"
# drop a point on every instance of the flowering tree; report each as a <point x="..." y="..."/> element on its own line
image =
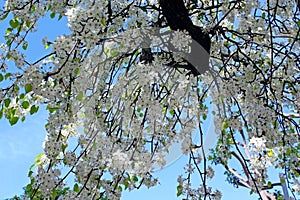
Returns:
<point x="127" y="83"/>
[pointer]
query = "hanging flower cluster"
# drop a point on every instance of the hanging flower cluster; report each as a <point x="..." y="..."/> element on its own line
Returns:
<point x="118" y="98"/>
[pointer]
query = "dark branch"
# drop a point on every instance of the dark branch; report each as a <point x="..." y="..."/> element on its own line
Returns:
<point x="177" y="17"/>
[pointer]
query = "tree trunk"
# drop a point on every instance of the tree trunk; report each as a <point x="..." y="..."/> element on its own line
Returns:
<point x="178" y="18"/>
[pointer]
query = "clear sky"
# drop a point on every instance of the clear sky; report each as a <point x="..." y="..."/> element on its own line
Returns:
<point x="21" y="143"/>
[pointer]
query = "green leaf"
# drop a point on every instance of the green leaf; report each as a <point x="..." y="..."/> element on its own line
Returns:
<point x="8" y="31"/>
<point x="33" y="8"/>
<point x="269" y="184"/>
<point x="7" y="102"/>
<point x="76" y="187"/>
<point x="28" y="87"/>
<point x="179" y="190"/>
<point x="38" y="159"/>
<point x="251" y="192"/>
<point x="51" y="110"/>
<point x="298" y="23"/>
<point x="120" y="188"/>
<point x="8" y="42"/>
<point x="135" y="179"/>
<point x="14" y="23"/>
<point x="7" y="75"/>
<point x="52" y="15"/>
<point x="76" y="71"/>
<point x="1" y="77"/>
<point x="28" y="23"/>
<point x="22" y="96"/>
<point x="23" y="118"/>
<point x="126" y="184"/>
<point x="54" y="194"/>
<point x="172" y="112"/>
<point x="33" y="109"/>
<point x="4" y="16"/>
<point x="25" y="45"/>
<point x="225" y="125"/>
<point x="76" y="60"/>
<point x="64" y="147"/>
<point x="1" y="113"/>
<point x="25" y="104"/>
<point x="13" y="120"/>
<point x="79" y="96"/>
<point x="270" y="153"/>
<point x="59" y="17"/>
<point x="47" y="45"/>
<point x="16" y="89"/>
<point x="103" y="21"/>
<point x="30" y="173"/>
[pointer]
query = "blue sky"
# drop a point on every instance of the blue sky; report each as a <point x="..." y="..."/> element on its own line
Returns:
<point x="21" y="143"/>
<point x="18" y="147"/>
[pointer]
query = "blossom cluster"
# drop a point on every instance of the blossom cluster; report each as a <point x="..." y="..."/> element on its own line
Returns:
<point x="114" y="114"/>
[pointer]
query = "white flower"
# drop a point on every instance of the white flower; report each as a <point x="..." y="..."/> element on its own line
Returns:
<point x="226" y="23"/>
<point x="296" y="186"/>
<point x="210" y="172"/>
<point x="217" y="195"/>
<point x="120" y="160"/>
<point x="181" y="40"/>
<point x="70" y="158"/>
<point x="186" y="144"/>
<point x="72" y="13"/>
<point x="257" y="144"/>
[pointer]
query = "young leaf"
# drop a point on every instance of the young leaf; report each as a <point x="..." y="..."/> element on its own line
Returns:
<point x="13" y="120"/>
<point x="22" y="96"/>
<point x="52" y="15"/>
<point x="23" y="118"/>
<point x="7" y="102"/>
<point x="25" y="45"/>
<point x="7" y="75"/>
<point x="14" y="23"/>
<point x="33" y="109"/>
<point x="4" y="16"/>
<point x="172" y="112"/>
<point x="76" y="187"/>
<point x="28" y="87"/>
<point x="135" y="179"/>
<point x="38" y="159"/>
<point x="79" y="97"/>
<point x="179" y="190"/>
<point x="25" y="104"/>
<point x="103" y="21"/>
<point x="225" y="125"/>
<point x="33" y="8"/>
<point x="47" y="45"/>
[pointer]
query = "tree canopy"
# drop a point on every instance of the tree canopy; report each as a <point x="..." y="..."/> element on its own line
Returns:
<point x="134" y="76"/>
